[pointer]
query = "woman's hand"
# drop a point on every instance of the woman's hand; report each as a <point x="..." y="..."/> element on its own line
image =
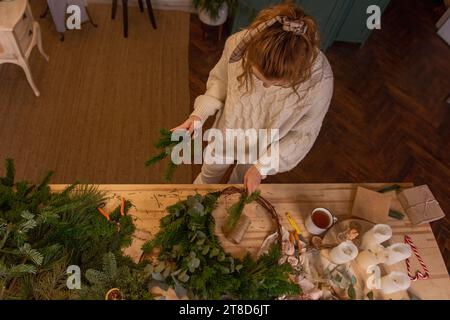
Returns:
<point x="252" y="180"/>
<point x="187" y="125"/>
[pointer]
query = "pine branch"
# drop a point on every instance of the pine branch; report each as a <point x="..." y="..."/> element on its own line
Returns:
<point x="8" y="180"/>
<point x="165" y="144"/>
<point x="156" y="159"/>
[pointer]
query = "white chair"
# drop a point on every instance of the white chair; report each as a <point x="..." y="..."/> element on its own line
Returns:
<point x="19" y="34"/>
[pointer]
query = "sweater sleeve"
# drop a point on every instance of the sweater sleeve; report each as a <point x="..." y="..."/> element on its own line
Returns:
<point x="213" y="99"/>
<point x="296" y="144"/>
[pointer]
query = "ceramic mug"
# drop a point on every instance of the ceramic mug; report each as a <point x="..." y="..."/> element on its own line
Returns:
<point x="319" y="221"/>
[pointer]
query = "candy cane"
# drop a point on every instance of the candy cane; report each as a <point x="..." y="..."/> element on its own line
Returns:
<point x="419" y="275"/>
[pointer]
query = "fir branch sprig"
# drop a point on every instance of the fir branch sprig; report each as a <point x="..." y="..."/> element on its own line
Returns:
<point x="165" y="144"/>
<point x="235" y="211"/>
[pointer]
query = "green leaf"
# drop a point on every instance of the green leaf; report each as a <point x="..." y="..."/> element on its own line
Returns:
<point x="160" y="267"/>
<point x="370" y="295"/>
<point x="205" y="250"/>
<point x="21" y="269"/>
<point x="96" y="277"/>
<point x="214" y="252"/>
<point x="110" y="265"/>
<point x="183" y="276"/>
<point x="27" y="215"/>
<point x="157" y="276"/>
<point x="351" y="292"/>
<point x="193" y="264"/>
<point x="221" y="257"/>
<point x="31" y="254"/>
<point x="396" y="215"/>
<point x="389" y="188"/>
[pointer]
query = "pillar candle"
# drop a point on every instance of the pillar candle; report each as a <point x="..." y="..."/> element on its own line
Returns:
<point x="372" y="257"/>
<point x="397" y="252"/>
<point x="366" y="259"/>
<point x="378" y="234"/>
<point x="343" y="253"/>
<point x="394" y="282"/>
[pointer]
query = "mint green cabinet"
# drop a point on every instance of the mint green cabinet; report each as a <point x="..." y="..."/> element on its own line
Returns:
<point x="338" y="20"/>
<point x="354" y="28"/>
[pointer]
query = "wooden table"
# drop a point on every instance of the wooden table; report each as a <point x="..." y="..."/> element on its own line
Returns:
<point x="150" y="202"/>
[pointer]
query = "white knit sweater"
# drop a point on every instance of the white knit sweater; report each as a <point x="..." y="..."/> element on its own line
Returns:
<point x="298" y="121"/>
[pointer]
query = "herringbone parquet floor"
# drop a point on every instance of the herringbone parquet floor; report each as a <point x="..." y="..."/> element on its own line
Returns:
<point x="389" y="120"/>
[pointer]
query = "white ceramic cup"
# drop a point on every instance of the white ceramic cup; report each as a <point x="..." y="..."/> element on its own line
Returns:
<point x="313" y="228"/>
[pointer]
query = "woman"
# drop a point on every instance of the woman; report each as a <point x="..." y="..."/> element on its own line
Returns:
<point x="270" y="76"/>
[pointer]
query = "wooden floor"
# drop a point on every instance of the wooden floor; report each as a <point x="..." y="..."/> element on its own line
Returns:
<point x="389" y="120"/>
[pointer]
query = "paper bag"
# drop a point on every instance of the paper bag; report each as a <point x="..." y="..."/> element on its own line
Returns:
<point x="371" y="205"/>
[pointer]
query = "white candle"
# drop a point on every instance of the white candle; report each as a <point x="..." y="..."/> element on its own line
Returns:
<point x="372" y="256"/>
<point x="397" y="252"/>
<point x="394" y="282"/>
<point x="378" y="234"/>
<point x="366" y="259"/>
<point x="343" y="253"/>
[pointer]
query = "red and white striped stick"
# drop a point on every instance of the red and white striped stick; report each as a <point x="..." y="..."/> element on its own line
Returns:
<point x="419" y="275"/>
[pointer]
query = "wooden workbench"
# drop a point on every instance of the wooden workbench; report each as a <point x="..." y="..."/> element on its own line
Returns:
<point x="150" y="202"/>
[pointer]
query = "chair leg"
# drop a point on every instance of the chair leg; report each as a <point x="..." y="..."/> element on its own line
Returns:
<point x="125" y="18"/>
<point x="44" y="14"/>
<point x="39" y="42"/>
<point x="26" y="68"/>
<point x="141" y="5"/>
<point x="114" y="9"/>
<point x="150" y="13"/>
<point x="90" y="18"/>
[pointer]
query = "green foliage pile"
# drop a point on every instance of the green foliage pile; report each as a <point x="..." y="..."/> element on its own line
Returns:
<point x="191" y="256"/>
<point x="133" y="281"/>
<point x="42" y="232"/>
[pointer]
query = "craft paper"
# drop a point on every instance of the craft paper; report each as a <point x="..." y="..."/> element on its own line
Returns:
<point x="371" y="205"/>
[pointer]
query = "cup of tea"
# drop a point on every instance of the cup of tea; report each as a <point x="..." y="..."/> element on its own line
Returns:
<point x="319" y="221"/>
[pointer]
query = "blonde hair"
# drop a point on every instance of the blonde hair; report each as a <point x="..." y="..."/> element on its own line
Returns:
<point x="278" y="54"/>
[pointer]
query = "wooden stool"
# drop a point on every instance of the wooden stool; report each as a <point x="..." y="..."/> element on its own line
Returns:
<point x="125" y="13"/>
<point x="207" y="28"/>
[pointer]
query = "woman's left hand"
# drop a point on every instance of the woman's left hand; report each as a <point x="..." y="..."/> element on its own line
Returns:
<point x="252" y="180"/>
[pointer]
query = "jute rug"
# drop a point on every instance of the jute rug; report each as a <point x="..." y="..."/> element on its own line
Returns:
<point x="103" y="99"/>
